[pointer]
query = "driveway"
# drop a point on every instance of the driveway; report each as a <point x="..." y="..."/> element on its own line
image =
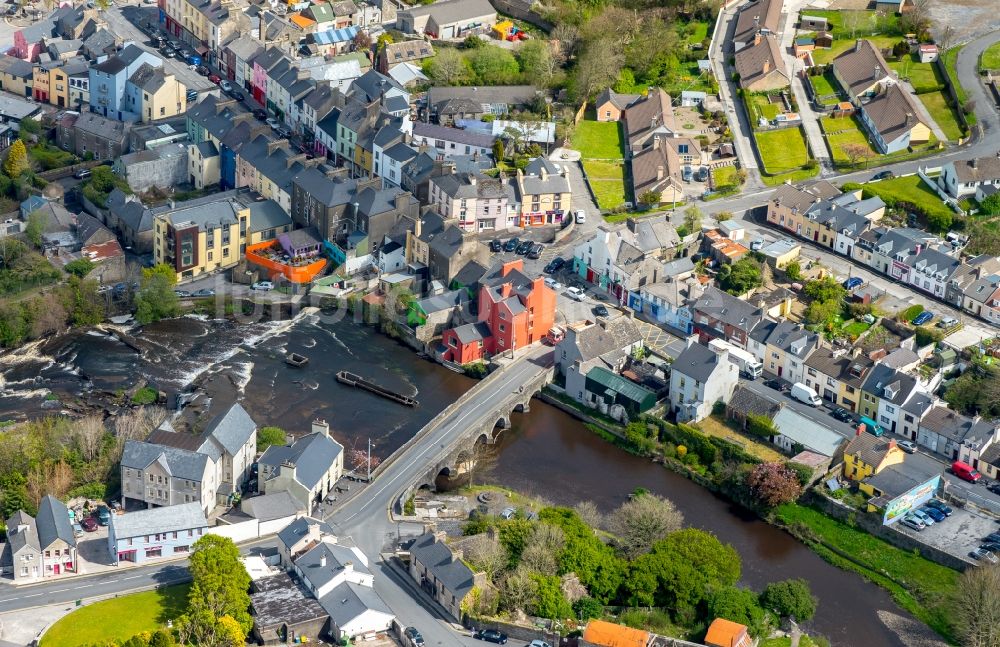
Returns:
<point x="810" y="120"/>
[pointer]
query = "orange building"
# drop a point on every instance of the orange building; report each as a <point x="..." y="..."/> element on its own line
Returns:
<point x="726" y="633"/>
<point x="514" y="311"/>
<point x="608" y="634"/>
<point x="296" y="255"/>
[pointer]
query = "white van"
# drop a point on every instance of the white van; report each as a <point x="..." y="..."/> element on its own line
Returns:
<point x="581" y="216"/>
<point x="805" y="395"/>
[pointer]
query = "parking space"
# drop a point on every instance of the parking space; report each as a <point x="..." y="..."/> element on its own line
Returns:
<point x="957" y="535"/>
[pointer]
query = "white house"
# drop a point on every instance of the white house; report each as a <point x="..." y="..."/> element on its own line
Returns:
<point x="307" y="469"/>
<point x="961" y="178"/>
<point x="932" y="270"/>
<point x="700" y="377"/>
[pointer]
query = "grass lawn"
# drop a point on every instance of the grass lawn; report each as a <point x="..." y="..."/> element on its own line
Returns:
<point x="798" y="175"/>
<point x="922" y="76"/>
<point x="990" y="60"/>
<point x="855" y="328"/>
<point x="598" y="139"/>
<point x="946" y="119"/>
<point x="841" y="45"/>
<point x="841" y="132"/>
<point x="918" y="585"/>
<point x="716" y="426"/>
<point x="758" y="106"/>
<point x="118" y="619"/>
<point x="863" y="27"/>
<point x="782" y="150"/>
<point x="950" y="61"/>
<point x="785" y="641"/>
<point x="725" y="176"/>
<point x="910" y="189"/>
<point x="824" y="86"/>
<point x="607" y="179"/>
<point x="698" y="31"/>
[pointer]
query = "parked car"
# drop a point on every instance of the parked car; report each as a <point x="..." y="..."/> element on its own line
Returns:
<point x="283" y="131"/>
<point x="913" y="522"/>
<point x="600" y="310"/>
<point x="994" y="487"/>
<point x="983" y="555"/>
<point x="991" y="546"/>
<point x="226" y="85"/>
<point x="853" y="283"/>
<point x="842" y="414"/>
<point x="536" y="251"/>
<point x="202" y="70"/>
<point x="524" y="247"/>
<point x="259" y="114"/>
<point x="538" y="643"/>
<point x="272" y="122"/>
<point x="581" y="216"/>
<point x="192" y="95"/>
<point x="215" y="78"/>
<point x="82" y="173"/>
<point x="203" y="293"/>
<point x="922" y="318"/>
<point x="965" y="472"/>
<point x="777" y="385"/>
<point x="575" y="293"/>
<point x="77" y="530"/>
<point x="555" y="265"/>
<point x="491" y="636"/>
<point x="237" y="95"/>
<point x="993" y="537"/>
<point x="933" y="513"/>
<point x="552" y="283"/>
<point x="182" y="293"/>
<point x="884" y="175"/>
<point x="947" y="322"/>
<point x="805" y="395"/>
<point x="940" y="506"/>
<point x="687" y="173"/>
<point x="414" y="636"/>
<point x="871" y="426"/>
<point x="103" y="515"/>
<point x="703" y="174"/>
<point x="511" y="244"/>
<point x="908" y="446"/>
<point x="757" y="245"/>
<point x="89" y="524"/>
<point x="263" y="286"/>
<point x="496" y="246"/>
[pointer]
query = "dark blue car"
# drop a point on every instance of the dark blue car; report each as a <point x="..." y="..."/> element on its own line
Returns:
<point x="922" y="318"/>
<point x="853" y="283"/>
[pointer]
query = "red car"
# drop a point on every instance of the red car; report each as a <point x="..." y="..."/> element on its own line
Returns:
<point x="89" y="524"/>
<point x="214" y="78"/>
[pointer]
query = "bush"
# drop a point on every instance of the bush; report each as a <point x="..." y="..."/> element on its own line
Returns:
<point x="475" y="369"/>
<point x="80" y="267"/>
<point x="145" y="395"/>
<point x="268" y="436"/>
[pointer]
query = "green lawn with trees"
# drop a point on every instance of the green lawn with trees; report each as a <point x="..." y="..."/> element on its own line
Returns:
<point x="909" y="192"/>
<point x="118" y="619"/>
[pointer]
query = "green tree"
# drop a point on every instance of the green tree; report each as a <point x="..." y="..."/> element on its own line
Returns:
<point x="790" y="599"/>
<point x="794" y="270"/>
<point x="84" y="306"/>
<point x="740" y="277"/>
<point x="220" y="583"/>
<point x="267" y="436"/>
<point x="593" y="561"/>
<point x="17" y="160"/>
<point x="231" y="634"/>
<point x="723" y="216"/>
<point x="156" y="299"/>
<point x="760" y="426"/>
<point x="162" y="638"/>
<point x="821" y="312"/>
<point x="473" y="42"/>
<point x="34" y="228"/>
<point x="448" y="67"/>
<point x="498" y="150"/>
<point x="650" y="198"/>
<point x="939" y="220"/>
<point x="493" y="65"/>
<point x="81" y="267"/>
<point x="991" y="205"/>
<point x="587" y="607"/>
<point x="692" y="219"/>
<point x="739" y="605"/>
<point x="534" y="57"/>
<point x="825" y="289"/>
<point x="514" y="534"/>
<point x="549" y="601"/>
<point x="30" y="126"/>
<point x="14" y="489"/>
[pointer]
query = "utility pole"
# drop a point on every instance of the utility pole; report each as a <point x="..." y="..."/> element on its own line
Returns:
<point x="369" y="459"/>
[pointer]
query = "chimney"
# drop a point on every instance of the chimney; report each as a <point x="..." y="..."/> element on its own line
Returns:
<point x="276" y="144"/>
<point x="439" y="536"/>
<point x="320" y="426"/>
<point x="659" y="172"/>
<point x="656" y="143"/>
<point x="860" y="430"/>
<point x="767" y="66"/>
<point x="892" y="444"/>
<point x="322" y="560"/>
<point x="691" y="341"/>
<point x="974" y="162"/>
<point x="472" y="179"/>
<point x="348" y="567"/>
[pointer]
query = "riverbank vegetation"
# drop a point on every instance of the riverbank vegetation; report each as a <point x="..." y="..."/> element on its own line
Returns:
<point x="636" y="565"/>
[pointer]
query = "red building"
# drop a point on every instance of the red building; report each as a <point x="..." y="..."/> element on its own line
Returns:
<point x="514" y="311"/>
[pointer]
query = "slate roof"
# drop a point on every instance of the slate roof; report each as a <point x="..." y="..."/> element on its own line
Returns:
<point x="16" y="540"/>
<point x="408" y="50"/>
<point x="554" y="182"/>
<point x="171" y="518"/>
<point x="440" y="98"/>
<point x="457" y="135"/>
<point x="606" y="336"/>
<point x="15" y="67"/>
<point x="337" y="557"/>
<point x="267" y="214"/>
<point x="467" y="185"/>
<point x="757" y="16"/>
<point x="278" y="600"/>
<point x="893" y="113"/>
<point x="760" y="59"/>
<point x="728" y="309"/>
<point x="649" y="113"/>
<point x="132" y="212"/>
<point x="883" y="377"/>
<point x="948" y="423"/>
<point x="843" y="367"/>
<point x="697" y="362"/>
<point x="312" y="456"/>
<point x="180" y="463"/>
<point x="52" y="523"/>
<point x="456" y="577"/>
<point x="898" y="479"/>
<point x="746" y="401"/>
<point x="291" y="533"/>
<point x="871" y="448"/>
<point x="349" y="600"/>
<point x="232" y="429"/>
<point x="790" y="336"/>
<point x="102" y="127"/>
<point x="861" y="67"/>
<point x="617" y="99"/>
<point x="471" y="332"/>
<point x="268" y="507"/>
<point x="982" y="169"/>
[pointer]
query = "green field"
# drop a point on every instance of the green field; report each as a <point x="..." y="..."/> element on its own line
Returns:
<point x="607" y="179"/>
<point x="725" y="176"/>
<point x="782" y="150"/>
<point x="698" y="31"/>
<point x="909" y="189"/>
<point x="990" y="60"/>
<point x="825" y="86"/>
<point x="118" y="619"/>
<point x="598" y="139"/>
<point x="922" y="76"/>
<point x="824" y="56"/>
<point x="937" y="104"/>
<point x="840" y="132"/>
<point x="920" y="586"/>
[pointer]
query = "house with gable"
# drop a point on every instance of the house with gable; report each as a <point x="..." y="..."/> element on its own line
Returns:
<point x="610" y="104"/>
<point x="607" y="343"/>
<point x="866" y="454"/>
<point x="862" y="71"/>
<point x="756" y="18"/>
<point x="441" y="572"/>
<point x="962" y="178"/>
<point x="699" y="377"/>
<point x="42" y="546"/>
<point x="719" y="315"/>
<point x="307" y="469"/>
<point x="109" y="81"/>
<point x="884" y="393"/>
<point x="894" y="121"/>
<point x="838" y="377"/>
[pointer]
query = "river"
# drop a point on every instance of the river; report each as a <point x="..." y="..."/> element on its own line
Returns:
<point x="546" y="452"/>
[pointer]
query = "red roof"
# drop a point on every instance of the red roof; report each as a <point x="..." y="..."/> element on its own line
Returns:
<point x="103" y="251"/>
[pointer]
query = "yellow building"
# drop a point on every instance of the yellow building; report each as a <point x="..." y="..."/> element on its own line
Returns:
<point x="206" y="25"/>
<point x="363" y="154"/>
<point x="203" y="164"/>
<point x="155" y="94"/>
<point x="867" y="454"/>
<point x="201" y="236"/>
<point x="838" y="378"/>
<point x="15" y="75"/>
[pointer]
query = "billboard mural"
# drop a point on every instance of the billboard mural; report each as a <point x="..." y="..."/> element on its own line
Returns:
<point x="898" y="507"/>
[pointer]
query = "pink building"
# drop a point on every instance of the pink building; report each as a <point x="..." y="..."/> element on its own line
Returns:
<point x="480" y="203"/>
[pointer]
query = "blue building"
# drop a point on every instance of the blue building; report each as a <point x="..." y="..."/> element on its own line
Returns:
<point x="154" y="533"/>
<point x="108" y="80"/>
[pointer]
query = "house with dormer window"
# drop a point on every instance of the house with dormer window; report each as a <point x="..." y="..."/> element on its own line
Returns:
<point x="932" y="269"/>
<point x="718" y="315"/>
<point x="884" y="393"/>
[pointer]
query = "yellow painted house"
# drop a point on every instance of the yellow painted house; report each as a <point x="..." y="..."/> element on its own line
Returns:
<point x="201" y="236"/>
<point x="866" y="455"/>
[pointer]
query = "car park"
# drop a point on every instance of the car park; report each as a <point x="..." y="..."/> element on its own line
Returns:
<point x="993" y="536"/>
<point x="983" y="555"/>
<point x="575" y="293"/>
<point x="600" y="310"/>
<point x="907" y="446"/>
<point x="491" y="635"/>
<point x="853" y="283"/>
<point x="912" y="522"/>
<point x="511" y="244"/>
<point x="842" y="414"/>
<point x="263" y="286"/>
<point x="922" y="318"/>
<point x="496" y="246"/>
<point x="934" y="514"/>
<point x="941" y="506"/>
<point x="991" y="546"/>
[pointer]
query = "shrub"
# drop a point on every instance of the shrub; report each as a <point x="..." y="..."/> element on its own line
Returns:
<point x="80" y="267"/>
<point x="145" y="395"/>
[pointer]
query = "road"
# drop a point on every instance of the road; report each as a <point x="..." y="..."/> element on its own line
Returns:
<point x="821" y="415"/>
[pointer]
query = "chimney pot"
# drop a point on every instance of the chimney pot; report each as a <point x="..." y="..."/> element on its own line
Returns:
<point x="322" y="560"/>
